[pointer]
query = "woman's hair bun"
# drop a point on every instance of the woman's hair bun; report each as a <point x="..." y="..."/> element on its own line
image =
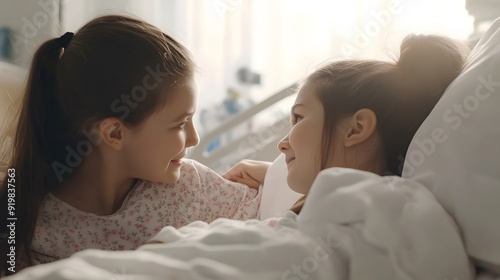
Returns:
<point x="432" y="58"/>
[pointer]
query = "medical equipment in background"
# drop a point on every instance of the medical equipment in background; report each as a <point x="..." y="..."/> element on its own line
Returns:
<point x="212" y="117"/>
<point x="259" y="144"/>
<point x="237" y="99"/>
<point x="5" y="44"/>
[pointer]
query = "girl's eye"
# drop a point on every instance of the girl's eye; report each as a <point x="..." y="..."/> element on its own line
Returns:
<point x="182" y="125"/>
<point x="296" y="118"/>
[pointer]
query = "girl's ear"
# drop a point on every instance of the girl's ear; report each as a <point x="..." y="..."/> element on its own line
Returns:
<point x="360" y="127"/>
<point x="111" y="131"/>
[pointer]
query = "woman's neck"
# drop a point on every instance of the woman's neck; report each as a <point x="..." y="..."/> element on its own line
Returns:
<point x="95" y="187"/>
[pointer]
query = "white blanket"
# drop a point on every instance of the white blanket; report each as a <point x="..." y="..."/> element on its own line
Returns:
<point x="355" y="225"/>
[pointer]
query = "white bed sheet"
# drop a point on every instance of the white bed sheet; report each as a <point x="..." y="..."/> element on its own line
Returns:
<point x="355" y="225"/>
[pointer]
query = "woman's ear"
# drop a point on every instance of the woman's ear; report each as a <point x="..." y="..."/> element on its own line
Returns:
<point x="360" y="127"/>
<point x="111" y="131"/>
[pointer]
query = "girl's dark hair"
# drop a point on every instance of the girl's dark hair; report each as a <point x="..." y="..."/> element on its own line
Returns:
<point x="114" y="66"/>
<point x="401" y="93"/>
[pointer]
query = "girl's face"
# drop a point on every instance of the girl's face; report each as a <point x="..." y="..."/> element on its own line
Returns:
<point x="155" y="148"/>
<point x="302" y="146"/>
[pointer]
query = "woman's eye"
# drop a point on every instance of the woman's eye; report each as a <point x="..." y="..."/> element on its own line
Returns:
<point x="296" y="118"/>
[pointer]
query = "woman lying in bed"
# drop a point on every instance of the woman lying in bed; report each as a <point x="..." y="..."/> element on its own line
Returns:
<point x="361" y="114"/>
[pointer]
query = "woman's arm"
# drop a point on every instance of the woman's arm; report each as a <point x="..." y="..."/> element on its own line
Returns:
<point x="248" y="172"/>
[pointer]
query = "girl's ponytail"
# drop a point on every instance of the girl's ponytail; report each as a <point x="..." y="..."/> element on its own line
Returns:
<point x="39" y="120"/>
<point x="43" y="117"/>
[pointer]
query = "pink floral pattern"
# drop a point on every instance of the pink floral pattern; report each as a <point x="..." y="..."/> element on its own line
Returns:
<point x="200" y="194"/>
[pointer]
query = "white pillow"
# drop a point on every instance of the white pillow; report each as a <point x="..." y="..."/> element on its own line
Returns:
<point x="456" y="151"/>
<point x="277" y="197"/>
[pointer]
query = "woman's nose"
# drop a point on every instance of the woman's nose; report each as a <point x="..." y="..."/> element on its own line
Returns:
<point x="284" y="145"/>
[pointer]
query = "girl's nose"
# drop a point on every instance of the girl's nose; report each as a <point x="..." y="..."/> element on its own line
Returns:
<point x="192" y="138"/>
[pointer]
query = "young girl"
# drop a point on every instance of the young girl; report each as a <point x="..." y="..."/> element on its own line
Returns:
<point x="362" y="114"/>
<point x="98" y="155"/>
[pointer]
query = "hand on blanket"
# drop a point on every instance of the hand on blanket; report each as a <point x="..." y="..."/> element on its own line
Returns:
<point x="248" y="172"/>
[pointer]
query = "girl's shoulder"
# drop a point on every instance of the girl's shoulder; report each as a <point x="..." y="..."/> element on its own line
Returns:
<point x="191" y="164"/>
<point x="192" y="169"/>
<point x="191" y="173"/>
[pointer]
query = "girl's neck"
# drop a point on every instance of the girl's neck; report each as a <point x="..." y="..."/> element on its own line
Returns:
<point x="95" y="188"/>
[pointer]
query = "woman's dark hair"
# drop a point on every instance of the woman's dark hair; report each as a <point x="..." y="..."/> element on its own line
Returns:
<point x="401" y="93"/>
<point x="114" y="66"/>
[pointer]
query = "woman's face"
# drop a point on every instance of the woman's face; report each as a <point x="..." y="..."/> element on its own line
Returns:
<point x="302" y="145"/>
<point x="354" y="143"/>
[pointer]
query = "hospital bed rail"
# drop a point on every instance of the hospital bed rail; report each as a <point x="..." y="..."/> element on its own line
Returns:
<point x="259" y="145"/>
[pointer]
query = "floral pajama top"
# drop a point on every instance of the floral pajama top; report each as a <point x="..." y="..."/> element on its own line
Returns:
<point x="199" y="194"/>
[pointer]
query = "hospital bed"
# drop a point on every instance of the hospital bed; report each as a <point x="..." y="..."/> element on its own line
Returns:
<point x="441" y="220"/>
